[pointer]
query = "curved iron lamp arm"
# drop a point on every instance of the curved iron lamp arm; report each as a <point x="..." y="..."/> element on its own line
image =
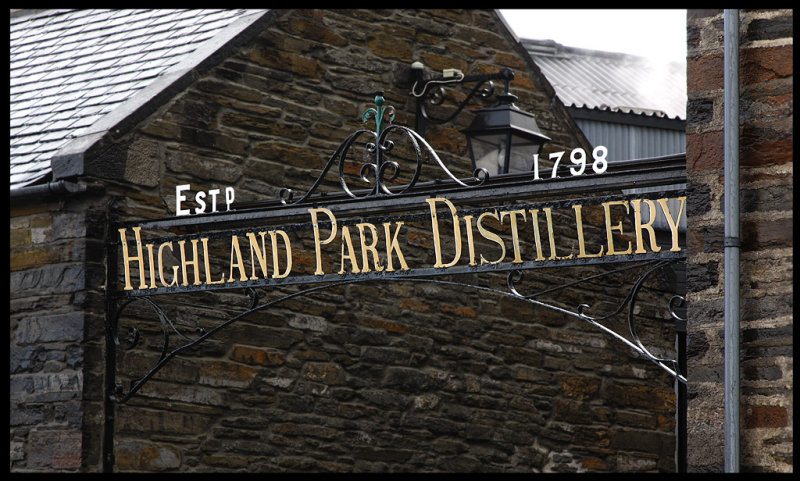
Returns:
<point x="433" y="93"/>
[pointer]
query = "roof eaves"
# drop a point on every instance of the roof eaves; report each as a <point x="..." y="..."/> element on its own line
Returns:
<point x="71" y="159"/>
<point x="631" y="117"/>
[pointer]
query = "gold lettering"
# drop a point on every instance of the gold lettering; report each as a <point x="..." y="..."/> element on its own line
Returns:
<point x="127" y="259"/>
<point x="549" y="217"/>
<point x="256" y="253"/>
<point x="204" y="240"/>
<point x="536" y="238"/>
<point x="317" y="242"/>
<point x="369" y="248"/>
<point x="161" y="266"/>
<point x="470" y="243"/>
<point x="514" y="232"/>
<point x="194" y="262"/>
<point x="638" y="225"/>
<point x="491" y="236"/>
<point x="673" y="222"/>
<point x="239" y="261"/>
<point x="435" y="226"/>
<point x="581" y="243"/>
<point x="393" y="246"/>
<point x="152" y="266"/>
<point x="288" y="245"/>
<point x="609" y="228"/>
<point x="350" y="254"/>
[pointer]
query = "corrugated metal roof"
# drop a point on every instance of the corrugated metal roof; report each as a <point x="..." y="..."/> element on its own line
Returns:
<point x="69" y="68"/>
<point x="627" y="142"/>
<point x="611" y="81"/>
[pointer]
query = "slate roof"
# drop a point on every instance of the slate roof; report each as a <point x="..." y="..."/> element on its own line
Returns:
<point x="70" y="68"/>
<point x="610" y="81"/>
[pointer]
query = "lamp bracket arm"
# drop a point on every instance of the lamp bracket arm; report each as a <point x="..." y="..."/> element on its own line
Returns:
<point x="437" y="96"/>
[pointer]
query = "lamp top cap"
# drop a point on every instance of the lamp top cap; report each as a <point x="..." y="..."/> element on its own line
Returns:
<point x="505" y="117"/>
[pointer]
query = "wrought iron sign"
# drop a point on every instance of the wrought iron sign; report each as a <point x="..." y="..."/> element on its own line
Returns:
<point x="510" y="237"/>
<point x="370" y="247"/>
<point x="479" y="224"/>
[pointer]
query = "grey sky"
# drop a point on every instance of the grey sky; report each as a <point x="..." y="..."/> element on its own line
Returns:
<point x="657" y="34"/>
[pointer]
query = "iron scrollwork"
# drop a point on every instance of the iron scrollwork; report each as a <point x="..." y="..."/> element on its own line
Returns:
<point x="377" y="161"/>
<point x="134" y="336"/>
<point x="635" y="343"/>
<point x="168" y="329"/>
<point x="513" y="281"/>
<point x="433" y="92"/>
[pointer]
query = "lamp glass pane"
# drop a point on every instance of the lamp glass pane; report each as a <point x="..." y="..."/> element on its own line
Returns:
<point x="522" y="151"/>
<point x="488" y="152"/>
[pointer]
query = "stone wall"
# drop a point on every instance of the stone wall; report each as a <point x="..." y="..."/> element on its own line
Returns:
<point x="766" y="194"/>
<point x="56" y="328"/>
<point x="368" y="377"/>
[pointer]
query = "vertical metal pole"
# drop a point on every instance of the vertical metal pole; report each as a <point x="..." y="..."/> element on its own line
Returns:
<point x="732" y="243"/>
<point x="110" y="355"/>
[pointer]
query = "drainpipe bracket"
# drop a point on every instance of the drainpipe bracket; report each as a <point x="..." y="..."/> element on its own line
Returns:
<point x="732" y="242"/>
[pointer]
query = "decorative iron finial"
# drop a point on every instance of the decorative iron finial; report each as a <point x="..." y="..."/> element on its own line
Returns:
<point x="379" y="113"/>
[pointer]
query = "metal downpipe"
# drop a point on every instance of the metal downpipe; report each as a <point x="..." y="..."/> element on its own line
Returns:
<point x="732" y="242"/>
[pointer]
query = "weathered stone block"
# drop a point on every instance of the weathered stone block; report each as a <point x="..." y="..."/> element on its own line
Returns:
<point x="702" y="276"/>
<point x="639" y="440"/>
<point x="134" y="419"/>
<point x="311" y="323"/>
<point x="765" y="64"/>
<point x="54" y="450"/>
<point x="383" y="454"/>
<point x="141" y="163"/>
<point x="580" y="387"/>
<point x="385" y="355"/>
<point x="255" y="355"/>
<point x="220" y="373"/>
<point x="761" y="146"/>
<point x="644" y="397"/>
<point x="146" y="456"/>
<point x="324" y="372"/>
<point x="65" y="327"/>
<point x="48" y="280"/>
<point x="314" y="30"/>
<point x="289" y="62"/>
<point x="264" y="336"/>
<point x="704" y="73"/>
<point x="699" y="111"/>
<point x="698" y="199"/>
<point x="410" y="380"/>
<point x="34" y="258"/>
<point x="704" y="151"/>
<point x="763" y="234"/>
<point x="46" y="387"/>
<point x="525" y="373"/>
